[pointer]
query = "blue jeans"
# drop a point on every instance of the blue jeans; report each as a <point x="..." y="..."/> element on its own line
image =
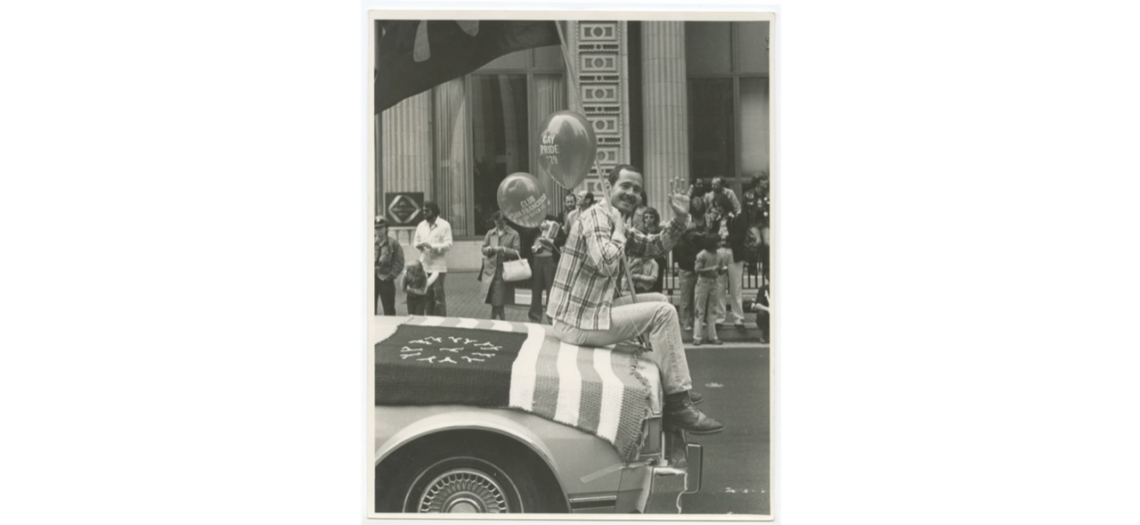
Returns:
<point x="651" y="314"/>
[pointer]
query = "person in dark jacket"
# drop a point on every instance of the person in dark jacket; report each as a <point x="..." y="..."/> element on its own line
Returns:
<point x="389" y="264"/>
<point x="545" y="264"/>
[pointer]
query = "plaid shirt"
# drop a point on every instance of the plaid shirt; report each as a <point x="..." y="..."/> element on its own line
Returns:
<point x="587" y="277"/>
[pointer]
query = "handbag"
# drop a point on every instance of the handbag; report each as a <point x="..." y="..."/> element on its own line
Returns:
<point x="516" y="270"/>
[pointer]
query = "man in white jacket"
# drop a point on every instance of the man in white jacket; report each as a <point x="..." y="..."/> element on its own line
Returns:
<point x="433" y="240"/>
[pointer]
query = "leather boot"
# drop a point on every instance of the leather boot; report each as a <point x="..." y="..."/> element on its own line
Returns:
<point x="696" y="397"/>
<point x="680" y="413"/>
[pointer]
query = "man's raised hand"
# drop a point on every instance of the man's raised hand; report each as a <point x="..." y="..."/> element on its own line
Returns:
<point x="679" y="197"/>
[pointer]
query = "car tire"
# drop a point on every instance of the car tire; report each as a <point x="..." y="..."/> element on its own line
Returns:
<point x="470" y="477"/>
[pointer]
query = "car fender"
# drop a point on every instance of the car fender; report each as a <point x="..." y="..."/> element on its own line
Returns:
<point x="473" y="420"/>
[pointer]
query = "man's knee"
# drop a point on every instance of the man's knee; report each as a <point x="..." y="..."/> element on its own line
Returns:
<point x="665" y="311"/>
<point x="652" y="298"/>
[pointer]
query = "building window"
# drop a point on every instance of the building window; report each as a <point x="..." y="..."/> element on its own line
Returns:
<point x="499" y="136"/>
<point x="727" y="66"/>
<point x="712" y="139"/>
<point x="484" y="128"/>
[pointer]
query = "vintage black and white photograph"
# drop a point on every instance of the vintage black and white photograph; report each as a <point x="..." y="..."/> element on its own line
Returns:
<point x="571" y="264"/>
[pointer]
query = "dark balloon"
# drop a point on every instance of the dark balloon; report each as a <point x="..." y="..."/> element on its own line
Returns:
<point x="522" y="200"/>
<point x="567" y="147"/>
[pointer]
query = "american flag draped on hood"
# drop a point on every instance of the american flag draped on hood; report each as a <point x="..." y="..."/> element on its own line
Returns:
<point x="499" y="364"/>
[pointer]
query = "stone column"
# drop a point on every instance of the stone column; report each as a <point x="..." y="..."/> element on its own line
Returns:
<point x="406" y="149"/>
<point x="406" y="154"/>
<point x="665" y="108"/>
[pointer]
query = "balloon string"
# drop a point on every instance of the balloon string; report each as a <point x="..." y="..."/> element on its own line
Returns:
<point x="576" y="105"/>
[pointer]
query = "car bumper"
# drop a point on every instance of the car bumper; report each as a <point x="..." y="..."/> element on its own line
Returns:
<point x="657" y="489"/>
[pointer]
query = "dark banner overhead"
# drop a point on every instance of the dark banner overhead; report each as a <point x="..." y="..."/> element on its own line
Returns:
<point x="416" y="55"/>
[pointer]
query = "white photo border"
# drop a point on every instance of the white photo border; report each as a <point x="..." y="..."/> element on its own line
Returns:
<point x="450" y="11"/>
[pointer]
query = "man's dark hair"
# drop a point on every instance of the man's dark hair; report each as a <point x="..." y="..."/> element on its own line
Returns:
<point x="616" y="170"/>
<point x="431" y="205"/>
<point x="589" y="196"/>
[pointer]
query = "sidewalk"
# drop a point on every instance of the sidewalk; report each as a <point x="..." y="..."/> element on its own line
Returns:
<point x="463" y="300"/>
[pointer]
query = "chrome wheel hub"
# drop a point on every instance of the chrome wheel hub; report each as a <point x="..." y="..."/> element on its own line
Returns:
<point x="464" y="491"/>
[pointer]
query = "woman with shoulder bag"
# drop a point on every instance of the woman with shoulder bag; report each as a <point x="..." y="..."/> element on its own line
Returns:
<point x="499" y="246"/>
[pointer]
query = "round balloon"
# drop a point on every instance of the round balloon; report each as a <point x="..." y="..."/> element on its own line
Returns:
<point x="566" y="148"/>
<point x="522" y="200"/>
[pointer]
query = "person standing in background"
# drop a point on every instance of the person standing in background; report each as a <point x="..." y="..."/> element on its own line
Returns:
<point x="569" y="204"/>
<point x="584" y="202"/>
<point x="763" y="218"/>
<point x="544" y="265"/>
<point x="389" y="265"/>
<point x="709" y="266"/>
<point x="416" y="284"/>
<point x="643" y="271"/>
<point x="501" y="244"/>
<point x="700" y="189"/>
<point x="732" y="230"/>
<point x="719" y="188"/>
<point x="651" y="224"/>
<point x="433" y="240"/>
<point x="685" y="254"/>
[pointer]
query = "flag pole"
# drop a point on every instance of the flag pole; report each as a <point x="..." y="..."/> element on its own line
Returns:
<point x="576" y="105"/>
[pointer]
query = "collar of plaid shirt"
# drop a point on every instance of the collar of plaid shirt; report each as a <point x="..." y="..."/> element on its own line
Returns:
<point x="586" y="280"/>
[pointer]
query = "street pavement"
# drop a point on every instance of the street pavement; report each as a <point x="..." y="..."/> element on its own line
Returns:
<point x="735" y="381"/>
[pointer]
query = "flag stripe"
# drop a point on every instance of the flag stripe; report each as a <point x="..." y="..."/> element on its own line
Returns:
<point x="612" y="393"/>
<point x="569" y="385"/>
<point x="546" y="379"/>
<point x="431" y="320"/>
<point x="467" y="323"/>
<point x="591" y="398"/>
<point x="502" y="326"/>
<point x="632" y="402"/>
<point x="523" y="369"/>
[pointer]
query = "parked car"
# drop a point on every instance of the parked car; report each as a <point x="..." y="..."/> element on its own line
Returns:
<point x="472" y="459"/>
